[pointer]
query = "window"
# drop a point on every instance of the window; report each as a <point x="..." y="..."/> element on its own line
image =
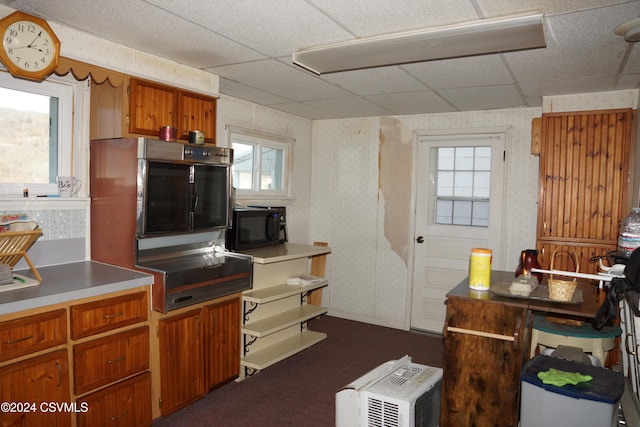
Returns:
<point x="260" y="164"/>
<point x="36" y="134"/>
<point x="463" y="185"/>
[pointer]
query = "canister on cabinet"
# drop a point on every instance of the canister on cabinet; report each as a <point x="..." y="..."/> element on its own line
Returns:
<point x="480" y="269"/>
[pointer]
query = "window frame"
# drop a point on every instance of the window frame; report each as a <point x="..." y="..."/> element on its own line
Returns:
<point x="65" y="89"/>
<point x="260" y="140"/>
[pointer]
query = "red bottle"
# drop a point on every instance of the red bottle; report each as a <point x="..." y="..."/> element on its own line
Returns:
<point x="528" y="260"/>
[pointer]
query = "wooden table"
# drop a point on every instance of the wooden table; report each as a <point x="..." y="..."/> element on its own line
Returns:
<point x="486" y="343"/>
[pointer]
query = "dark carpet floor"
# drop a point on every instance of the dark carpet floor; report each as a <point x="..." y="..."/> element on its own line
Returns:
<point x="300" y="391"/>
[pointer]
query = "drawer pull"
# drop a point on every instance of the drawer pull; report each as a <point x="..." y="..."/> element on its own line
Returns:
<point x="117" y="417"/>
<point x="111" y="316"/>
<point x="119" y="359"/>
<point x="17" y="340"/>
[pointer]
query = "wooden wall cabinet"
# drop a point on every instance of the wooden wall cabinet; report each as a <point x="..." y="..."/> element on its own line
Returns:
<point x="584" y="181"/>
<point x="481" y="383"/>
<point x="199" y="350"/>
<point x="196" y="112"/>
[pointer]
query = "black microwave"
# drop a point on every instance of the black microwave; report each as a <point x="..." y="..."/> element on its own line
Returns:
<point x="257" y="227"/>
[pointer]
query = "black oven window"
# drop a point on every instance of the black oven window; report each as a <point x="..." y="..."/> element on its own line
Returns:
<point x="167" y="197"/>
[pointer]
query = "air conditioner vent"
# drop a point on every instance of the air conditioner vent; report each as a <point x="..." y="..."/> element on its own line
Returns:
<point x="382" y="414"/>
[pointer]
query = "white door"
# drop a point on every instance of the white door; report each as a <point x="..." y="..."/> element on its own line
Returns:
<point x="459" y="192"/>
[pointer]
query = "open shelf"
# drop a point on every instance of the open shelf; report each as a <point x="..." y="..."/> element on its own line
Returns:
<point x="281" y="350"/>
<point x="274" y="293"/>
<point x="270" y="325"/>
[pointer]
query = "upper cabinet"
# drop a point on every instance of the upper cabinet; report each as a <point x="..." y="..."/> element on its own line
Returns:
<point x="142" y="107"/>
<point x="584" y="183"/>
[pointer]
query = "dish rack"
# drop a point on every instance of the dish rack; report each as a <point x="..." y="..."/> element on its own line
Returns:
<point x="14" y="246"/>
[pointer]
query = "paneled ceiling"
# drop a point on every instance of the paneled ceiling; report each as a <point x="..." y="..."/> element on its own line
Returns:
<point x="249" y="43"/>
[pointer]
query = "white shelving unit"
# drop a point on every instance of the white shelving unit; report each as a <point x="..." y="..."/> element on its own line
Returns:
<point x="275" y="314"/>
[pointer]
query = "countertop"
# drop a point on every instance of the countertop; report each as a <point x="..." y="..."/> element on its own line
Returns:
<point x="586" y="309"/>
<point x="286" y="252"/>
<point x="68" y="282"/>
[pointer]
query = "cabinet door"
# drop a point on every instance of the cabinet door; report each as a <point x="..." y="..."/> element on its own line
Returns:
<point x="39" y="380"/>
<point x="151" y="106"/>
<point x="181" y="365"/>
<point x="196" y="112"/>
<point x="481" y="378"/>
<point x="584" y="172"/>
<point x="222" y="356"/>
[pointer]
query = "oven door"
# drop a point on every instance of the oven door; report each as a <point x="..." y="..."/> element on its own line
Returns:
<point x="210" y="197"/>
<point x="166" y="197"/>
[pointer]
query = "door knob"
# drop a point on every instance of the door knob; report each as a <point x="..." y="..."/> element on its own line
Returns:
<point x="420" y="239"/>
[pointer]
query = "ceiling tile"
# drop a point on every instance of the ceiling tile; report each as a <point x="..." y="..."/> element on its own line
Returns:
<point x="483" y="98"/>
<point x="481" y="70"/>
<point x="424" y="102"/>
<point x="375" y="81"/>
<point x="241" y="91"/>
<point x="345" y="107"/>
<point x="302" y="110"/>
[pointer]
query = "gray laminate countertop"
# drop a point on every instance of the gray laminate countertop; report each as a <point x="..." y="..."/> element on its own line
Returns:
<point x="72" y="281"/>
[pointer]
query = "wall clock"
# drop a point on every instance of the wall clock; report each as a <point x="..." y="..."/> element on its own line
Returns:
<point x="30" y="49"/>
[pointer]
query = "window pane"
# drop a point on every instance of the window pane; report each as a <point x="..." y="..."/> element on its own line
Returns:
<point x="481" y="181"/>
<point x="271" y="177"/>
<point x="242" y="168"/>
<point x="444" y="211"/>
<point x="480" y="214"/>
<point x="462" y="212"/>
<point x="445" y="158"/>
<point x="483" y="158"/>
<point x="464" y="158"/>
<point x="24" y="122"/>
<point x="445" y="183"/>
<point x="463" y="184"/>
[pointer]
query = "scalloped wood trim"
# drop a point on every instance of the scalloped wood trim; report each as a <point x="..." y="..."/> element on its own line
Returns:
<point x="82" y="71"/>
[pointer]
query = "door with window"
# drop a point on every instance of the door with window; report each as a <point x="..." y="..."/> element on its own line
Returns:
<point x="459" y="191"/>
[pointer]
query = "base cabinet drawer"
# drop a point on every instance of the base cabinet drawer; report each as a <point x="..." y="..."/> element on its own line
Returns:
<point x="108" y="314"/>
<point x="126" y="404"/>
<point x="109" y="359"/>
<point x="32" y="333"/>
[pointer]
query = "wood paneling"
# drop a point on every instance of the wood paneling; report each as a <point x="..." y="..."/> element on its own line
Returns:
<point x="152" y="106"/>
<point x="222" y="355"/>
<point x="196" y="112"/>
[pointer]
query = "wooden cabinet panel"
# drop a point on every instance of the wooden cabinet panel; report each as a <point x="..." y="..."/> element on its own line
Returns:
<point x="222" y="355"/>
<point x="126" y="404"/>
<point x="563" y="261"/>
<point x="33" y="333"/>
<point x="181" y="363"/>
<point x="584" y="172"/>
<point x="481" y="382"/>
<point x="196" y="112"/>
<point x="151" y="106"/>
<point x="105" y="360"/>
<point x="108" y="314"/>
<point x="38" y="380"/>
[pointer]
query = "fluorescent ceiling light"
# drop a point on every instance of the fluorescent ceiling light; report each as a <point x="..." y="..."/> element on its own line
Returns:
<point x="452" y="41"/>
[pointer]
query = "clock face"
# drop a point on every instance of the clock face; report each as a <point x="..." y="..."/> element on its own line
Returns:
<point x="29" y="46"/>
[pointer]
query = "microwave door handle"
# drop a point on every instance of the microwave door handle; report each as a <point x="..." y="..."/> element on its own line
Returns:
<point x="272" y="226"/>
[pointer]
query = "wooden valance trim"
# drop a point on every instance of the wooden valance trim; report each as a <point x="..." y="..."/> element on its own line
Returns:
<point x="82" y="71"/>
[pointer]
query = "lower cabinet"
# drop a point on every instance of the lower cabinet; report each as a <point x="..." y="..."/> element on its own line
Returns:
<point x="199" y="350"/>
<point x="481" y="381"/>
<point x="36" y="381"/>
<point x="126" y="404"/>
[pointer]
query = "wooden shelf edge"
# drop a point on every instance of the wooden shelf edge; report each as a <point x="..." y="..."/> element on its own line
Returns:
<point x="281" y="350"/>
<point x="270" y="325"/>
<point x="274" y="293"/>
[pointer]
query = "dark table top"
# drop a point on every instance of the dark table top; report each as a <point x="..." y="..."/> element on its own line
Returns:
<point x="586" y="309"/>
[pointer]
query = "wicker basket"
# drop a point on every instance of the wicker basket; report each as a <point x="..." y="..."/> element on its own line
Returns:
<point x="562" y="290"/>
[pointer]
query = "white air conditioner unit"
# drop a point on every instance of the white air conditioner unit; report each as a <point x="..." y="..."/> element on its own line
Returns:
<point x="397" y="393"/>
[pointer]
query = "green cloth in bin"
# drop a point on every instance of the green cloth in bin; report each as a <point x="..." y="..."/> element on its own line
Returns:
<point x="561" y="378"/>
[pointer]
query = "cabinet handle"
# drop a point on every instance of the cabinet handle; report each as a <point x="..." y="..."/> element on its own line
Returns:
<point x="111" y="316"/>
<point x="17" y="340"/>
<point x="119" y="359"/>
<point x="59" y="367"/>
<point x="117" y="417"/>
<point x="626" y="343"/>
